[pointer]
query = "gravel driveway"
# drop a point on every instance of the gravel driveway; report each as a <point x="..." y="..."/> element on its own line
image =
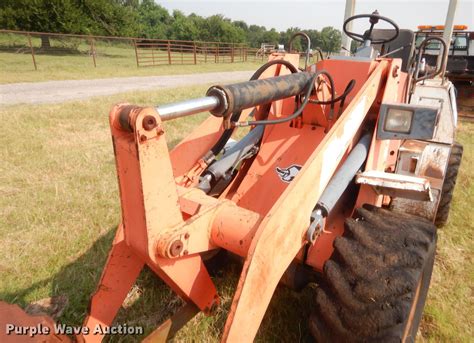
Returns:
<point x="60" y="91"/>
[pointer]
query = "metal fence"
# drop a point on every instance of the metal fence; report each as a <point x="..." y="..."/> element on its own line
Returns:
<point x="93" y="51"/>
<point x="155" y="52"/>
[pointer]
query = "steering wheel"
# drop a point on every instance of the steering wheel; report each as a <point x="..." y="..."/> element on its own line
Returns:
<point x="373" y="19"/>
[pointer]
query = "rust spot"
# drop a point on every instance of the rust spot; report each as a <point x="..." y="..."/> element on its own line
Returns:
<point x="413" y="164"/>
<point x="395" y="71"/>
<point x="125" y="115"/>
<point x="433" y="172"/>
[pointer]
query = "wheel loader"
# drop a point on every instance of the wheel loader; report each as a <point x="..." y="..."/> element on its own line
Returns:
<point x="460" y="65"/>
<point x="343" y="174"/>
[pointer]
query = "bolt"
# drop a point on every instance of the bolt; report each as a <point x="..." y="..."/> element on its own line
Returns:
<point x="176" y="248"/>
<point x="186" y="235"/>
<point x="160" y="131"/>
<point x="143" y="138"/>
<point x="149" y="123"/>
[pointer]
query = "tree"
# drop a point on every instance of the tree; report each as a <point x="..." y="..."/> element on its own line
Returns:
<point x="271" y="37"/>
<point x="110" y="17"/>
<point x="43" y="16"/>
<point x="255" y="35"/>
<point x="315" y="37"/>
<point x="217" y="28"/>
<point x="330" y="39"/>
<point x="145" y="18"/>
<point x="182" y="28"/>
<point x="154" y="20"/>
<point x="285" y="38"/>
<point x="242" y="24"/>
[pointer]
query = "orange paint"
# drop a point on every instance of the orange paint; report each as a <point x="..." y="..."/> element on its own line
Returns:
<point x="263" y="214"/>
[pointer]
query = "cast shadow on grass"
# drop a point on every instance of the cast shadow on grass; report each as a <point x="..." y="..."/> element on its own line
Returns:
<point x="75" y="282"/>
<point x="151" y="301"/>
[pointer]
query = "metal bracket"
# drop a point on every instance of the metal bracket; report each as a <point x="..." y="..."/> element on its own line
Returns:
<point x="316" y="226"/>
<point x="397" y="185"/>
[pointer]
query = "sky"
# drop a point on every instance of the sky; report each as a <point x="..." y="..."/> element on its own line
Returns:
<point x="316" y="14"/>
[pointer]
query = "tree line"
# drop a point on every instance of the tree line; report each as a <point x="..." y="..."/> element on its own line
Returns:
<point x="147" y="19"/>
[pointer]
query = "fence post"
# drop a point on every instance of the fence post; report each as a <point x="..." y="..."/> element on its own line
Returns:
<point x="217" y="55"/>
<point x="169" y="52"/>
<point x="152" y="55"/>
<point x="194" y="51"/>
<point x="32" y="52"/>
<point x="136" y="52"/>
<point x="93" y="52"/>
<point x="232" y="53"/>
<point x="205" y="54"/>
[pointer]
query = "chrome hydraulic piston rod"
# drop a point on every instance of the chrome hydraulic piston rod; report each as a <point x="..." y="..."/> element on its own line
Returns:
<point x="224" y="100"/>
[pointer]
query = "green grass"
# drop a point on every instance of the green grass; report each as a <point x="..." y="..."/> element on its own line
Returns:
<point x="113" y="60"/>
<point x="59" y="208"/>
<point x="449" y="311"/>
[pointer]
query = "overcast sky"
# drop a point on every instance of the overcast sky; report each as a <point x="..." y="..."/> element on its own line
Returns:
<point x="316" y="14"/>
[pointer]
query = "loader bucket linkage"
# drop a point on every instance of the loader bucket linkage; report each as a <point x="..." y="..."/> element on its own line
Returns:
<point x="337" y="182"/>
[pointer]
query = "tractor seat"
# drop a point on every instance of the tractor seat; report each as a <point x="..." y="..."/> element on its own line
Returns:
<point x="405" y="38"/>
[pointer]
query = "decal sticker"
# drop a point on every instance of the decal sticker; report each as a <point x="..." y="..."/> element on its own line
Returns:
<point x="288" y="174"/>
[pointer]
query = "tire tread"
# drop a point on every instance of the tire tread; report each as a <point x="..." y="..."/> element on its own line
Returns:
<point x="370" y="280"/>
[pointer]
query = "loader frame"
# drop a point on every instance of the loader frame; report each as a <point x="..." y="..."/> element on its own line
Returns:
<point x="167" y="224"/>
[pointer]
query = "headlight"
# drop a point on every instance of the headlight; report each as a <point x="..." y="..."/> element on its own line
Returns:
<point x="398" y="120"/>
<point x="406" y="121"/>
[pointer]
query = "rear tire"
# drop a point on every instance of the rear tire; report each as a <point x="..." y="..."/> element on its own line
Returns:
<point x="376" y="282"/>
<point x="449" y="183"/>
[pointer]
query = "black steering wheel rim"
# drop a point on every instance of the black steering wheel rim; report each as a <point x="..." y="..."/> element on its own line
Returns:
<point x="374" y="18"/>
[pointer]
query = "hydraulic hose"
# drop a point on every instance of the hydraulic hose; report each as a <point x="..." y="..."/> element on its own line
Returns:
<point x="216" y="149"/>
<point x="333" y="100"/>
<point x="309" y="88"/>
<point x="348" y="89"/>
<point x="333" y="93"/>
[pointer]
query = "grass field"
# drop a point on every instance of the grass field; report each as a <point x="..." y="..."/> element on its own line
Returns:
<point x="59" y="208"/>
<point x="113" y="60"/>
